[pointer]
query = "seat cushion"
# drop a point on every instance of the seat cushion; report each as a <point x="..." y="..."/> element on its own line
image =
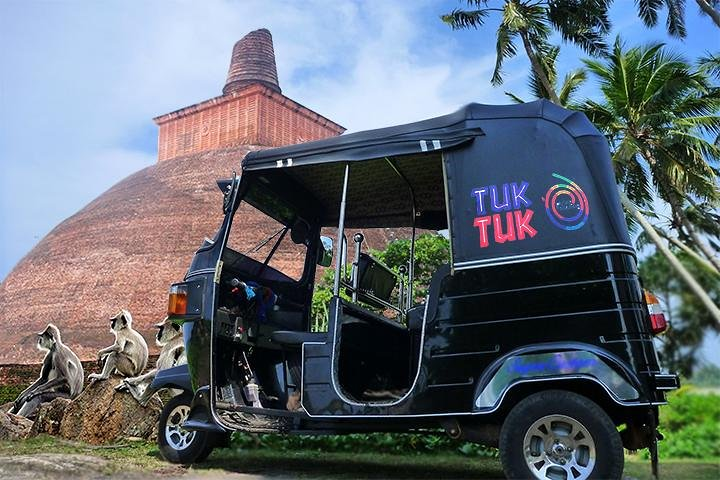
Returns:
<point x="294" y="338"/>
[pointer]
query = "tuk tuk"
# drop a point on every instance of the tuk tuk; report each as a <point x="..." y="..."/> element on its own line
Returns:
<point x="536" y="337"/>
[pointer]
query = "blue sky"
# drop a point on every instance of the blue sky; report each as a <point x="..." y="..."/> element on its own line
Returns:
<point x="81" y="81"/>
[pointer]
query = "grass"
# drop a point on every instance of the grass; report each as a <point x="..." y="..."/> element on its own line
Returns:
<point x="139" y="455"/>
<point x="144" y="457"/>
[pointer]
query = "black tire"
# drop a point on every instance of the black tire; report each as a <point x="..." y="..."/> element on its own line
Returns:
<point x="564" y="449"/>
<point x="177" y="445"/>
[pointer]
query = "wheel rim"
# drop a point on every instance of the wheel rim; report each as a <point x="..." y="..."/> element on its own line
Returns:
<point x="558" y="447"/>
<point x="177" y="437"/>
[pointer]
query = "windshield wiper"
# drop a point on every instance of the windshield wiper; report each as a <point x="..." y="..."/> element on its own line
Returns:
<point x="266" y="241"/>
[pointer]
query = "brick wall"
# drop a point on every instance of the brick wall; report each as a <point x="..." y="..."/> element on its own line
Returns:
<point x="255" y="115"/>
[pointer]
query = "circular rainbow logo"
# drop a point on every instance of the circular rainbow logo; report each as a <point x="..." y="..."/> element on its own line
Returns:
<point x="566" y="204"/>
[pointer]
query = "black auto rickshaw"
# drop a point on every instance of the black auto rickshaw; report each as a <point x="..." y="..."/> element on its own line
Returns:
<point x="536" y="337"/>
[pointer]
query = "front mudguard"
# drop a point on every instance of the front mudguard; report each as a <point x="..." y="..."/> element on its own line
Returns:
<point x="556" y="361"/>
<point x="177" y="377"/>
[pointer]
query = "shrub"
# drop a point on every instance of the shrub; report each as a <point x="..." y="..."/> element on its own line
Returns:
<point x="691" y="425"/>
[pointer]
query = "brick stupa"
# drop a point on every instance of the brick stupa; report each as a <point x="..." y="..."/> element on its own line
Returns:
<point x="124" y="248"/>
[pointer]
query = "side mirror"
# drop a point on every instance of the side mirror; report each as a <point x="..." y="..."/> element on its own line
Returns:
<point x="325" y="251"/>
<point x="228" y="187"/>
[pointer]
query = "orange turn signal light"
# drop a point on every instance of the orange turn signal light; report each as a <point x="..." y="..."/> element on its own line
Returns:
<point x="177" y="301"/>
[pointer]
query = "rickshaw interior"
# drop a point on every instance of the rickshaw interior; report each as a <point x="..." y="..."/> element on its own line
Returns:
<point x="264" y="300"/>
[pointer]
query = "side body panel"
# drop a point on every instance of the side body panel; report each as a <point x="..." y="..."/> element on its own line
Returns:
<point x="485" y="315"/>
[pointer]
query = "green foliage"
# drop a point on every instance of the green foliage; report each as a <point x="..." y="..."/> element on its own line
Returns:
<point x="431" y="251"/>
<point x="566" y="91"/>
<point x="531" y="23"/>
<point x="691" y="425"/>
<point x="320" y="300"/>
<point x="406" y="444"/>
<point x="648" y="12"/>
<point x="688" y="318"/>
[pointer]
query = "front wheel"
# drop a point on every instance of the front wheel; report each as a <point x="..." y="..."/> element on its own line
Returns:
<point x="176" y="444"/>
<point x="560" y="435"/>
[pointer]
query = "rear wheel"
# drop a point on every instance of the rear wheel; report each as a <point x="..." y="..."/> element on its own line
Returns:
<point x="560" y="435"/>
<point x="176" y="444"/>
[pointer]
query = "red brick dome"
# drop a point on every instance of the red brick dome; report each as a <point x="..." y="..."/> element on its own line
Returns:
<point x="253" y="61"/>
<point x="121" y="251"/>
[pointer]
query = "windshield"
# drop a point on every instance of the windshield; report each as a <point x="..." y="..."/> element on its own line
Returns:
<point x="275" y="236"/>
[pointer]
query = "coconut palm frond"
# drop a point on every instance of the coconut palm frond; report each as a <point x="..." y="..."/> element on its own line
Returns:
<point x="505" y="49"/>
<point x="459" y="19"/>
<point x="571" y="83"/>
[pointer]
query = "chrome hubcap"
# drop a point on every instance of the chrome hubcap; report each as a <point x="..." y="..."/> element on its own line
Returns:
<point x="177" y="437"/>
<point x="558" y="447"/>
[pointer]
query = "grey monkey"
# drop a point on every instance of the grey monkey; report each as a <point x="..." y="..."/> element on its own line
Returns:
<point x="61" y="375"/>
<point x="128" y="355"/>
<point x="172" y="352"/>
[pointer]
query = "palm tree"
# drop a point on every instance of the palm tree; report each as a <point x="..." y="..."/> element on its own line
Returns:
<point x="565" y="91"/>
<point x="657" y="113"/>
<point x="532" y="22"/>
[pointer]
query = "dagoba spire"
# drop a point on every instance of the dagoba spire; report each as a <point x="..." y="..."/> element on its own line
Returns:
<point x="252" y="62"/>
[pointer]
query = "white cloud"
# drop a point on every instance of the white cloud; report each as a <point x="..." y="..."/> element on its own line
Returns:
<point x="84" y="79"/>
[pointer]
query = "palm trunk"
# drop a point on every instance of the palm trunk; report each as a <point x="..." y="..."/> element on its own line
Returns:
<point x="689" y="280"/>
<point x="680" y="216"/>
<point x="709" y="266"/>
<point x="538" y="69"/>
<point x="704" y="248"/>
<point x="709" y="11"/>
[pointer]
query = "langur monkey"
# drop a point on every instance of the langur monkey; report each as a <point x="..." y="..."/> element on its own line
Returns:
<point x="128" y="355"/>
<point x="61" y="375"/>
<point x="172" y="353"/>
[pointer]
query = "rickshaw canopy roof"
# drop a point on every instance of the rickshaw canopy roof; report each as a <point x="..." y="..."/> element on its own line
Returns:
<point x="464" y="171"/>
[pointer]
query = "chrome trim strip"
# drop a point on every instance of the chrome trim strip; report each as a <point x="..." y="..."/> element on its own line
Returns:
<point x="202" y="271"/>
<point x="567" y="252"/>
<point x="333" y="373"/>
<point x="447" y="211"/>
<point x="494" y="349"/>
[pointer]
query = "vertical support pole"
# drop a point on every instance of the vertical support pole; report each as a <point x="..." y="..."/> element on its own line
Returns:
<point x="341" y="234"/>
<point x="411" y="269"/>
